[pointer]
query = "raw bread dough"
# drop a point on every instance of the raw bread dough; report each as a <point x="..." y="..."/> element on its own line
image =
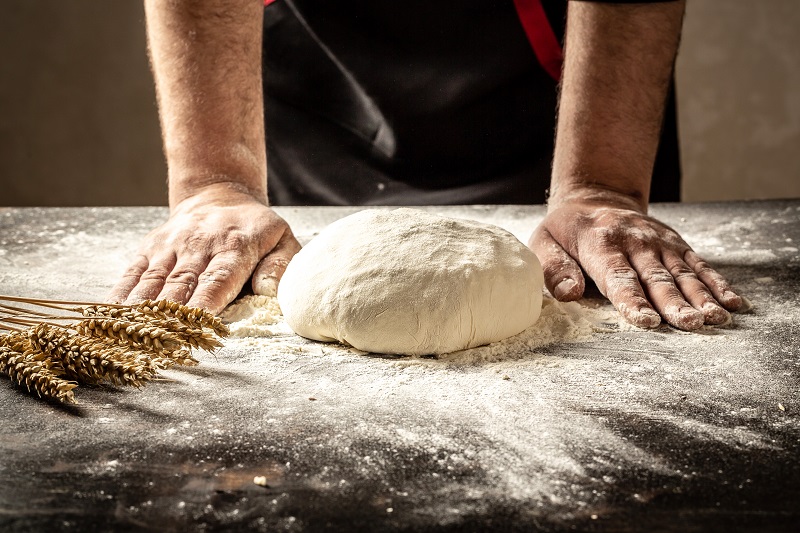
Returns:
<point x="409" y="282"/>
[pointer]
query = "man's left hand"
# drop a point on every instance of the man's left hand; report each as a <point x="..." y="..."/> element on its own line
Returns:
<point x="643" y="266"/>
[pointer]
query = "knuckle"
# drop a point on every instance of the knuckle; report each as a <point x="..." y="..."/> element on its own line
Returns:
<point x="183" y="277"/>
<point x="294" y="245"/>
<point x="657" y="276"/>
<point x="605" y="236"/>
<point x="619" y="281"/>
<point x="278" y="262"/>
<point x="236" y="240"/>
<point x="644" y="236"/>
<point x="215" y="276"/>
<point x="132" y="273"/>
<point x="156" y="273"/>
<point x="682" y="272"/>
<point x="622" y="274"/>
<point x="674" y="240"/>
<point x="554" y="268"/>
<point x="704" y="269"/>
<point x="137" y="268"/>
<point x="196" y="241"/>
<point x="538" y="238"/>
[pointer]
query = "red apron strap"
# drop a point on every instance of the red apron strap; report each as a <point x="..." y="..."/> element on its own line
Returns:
<point x="541" y="36"/>
<point x="268" y="2"/>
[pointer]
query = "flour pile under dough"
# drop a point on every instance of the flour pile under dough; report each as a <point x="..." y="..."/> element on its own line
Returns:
<point x="408" y="282"/>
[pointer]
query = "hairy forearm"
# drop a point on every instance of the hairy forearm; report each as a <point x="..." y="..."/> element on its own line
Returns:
<point x="618" y="65"/>
<point x="206" y="60"/>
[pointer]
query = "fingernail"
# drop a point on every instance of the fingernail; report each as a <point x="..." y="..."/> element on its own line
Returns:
<point x="684" y="317"/>
<point x="266" y="286"/>
<point x="715" y="315"/>
<point x="730" y="298"/>
<point x="564" y="287"/>
<point x="648" y="318"/>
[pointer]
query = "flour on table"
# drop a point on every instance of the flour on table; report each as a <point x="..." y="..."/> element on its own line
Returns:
<point x="255" y="316"/>
<point x="257" y="322"/>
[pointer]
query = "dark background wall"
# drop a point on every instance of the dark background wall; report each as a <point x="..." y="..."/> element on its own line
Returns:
<point x="738" y="78"/>
<point x="78" y="122"/>
<point x="78" y="119"/>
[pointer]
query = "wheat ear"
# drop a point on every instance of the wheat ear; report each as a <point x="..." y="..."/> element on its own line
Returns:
<point x="186" y="331"/>
<point x="191" y="316"/>
<point x="93" y="360"/>
<point x="36" y="373"/>
<point x="139" y="335"/>
<point x="109" y="343"/>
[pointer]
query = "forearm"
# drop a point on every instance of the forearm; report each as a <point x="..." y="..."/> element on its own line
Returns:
<point x="206" y="59"/>
<point x="618" y="65"/>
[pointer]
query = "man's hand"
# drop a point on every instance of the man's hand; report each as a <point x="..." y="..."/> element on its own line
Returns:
<point x="206" y="59"/>
<point x="207" y="250"/>
<point x="618" y="65"/>
<point x="643" y="266"/>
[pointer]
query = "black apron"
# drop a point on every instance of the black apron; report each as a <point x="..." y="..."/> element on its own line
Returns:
<point x="417" y="102"/>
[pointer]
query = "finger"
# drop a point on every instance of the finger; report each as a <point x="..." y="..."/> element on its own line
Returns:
<point x="129" y="280"/>
<point x="660" y="286"/>
<point x="562" y="275"/>
<point x="220" y="282"/>
<point x="694" y="290"/>
<point x="720" y="288"/>
<point x="619" y="282"/>
<point x="183" y="280"/>
<point x="152" y="280"/>
<point x="270" y="270"/>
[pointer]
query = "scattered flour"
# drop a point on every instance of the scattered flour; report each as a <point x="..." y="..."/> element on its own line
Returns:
<point x="258" y="320"/>
<point x="255" y="316"/>
<point x="558" y="323"/>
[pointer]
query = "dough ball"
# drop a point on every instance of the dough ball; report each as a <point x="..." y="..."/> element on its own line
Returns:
<point x="413" y="283"/>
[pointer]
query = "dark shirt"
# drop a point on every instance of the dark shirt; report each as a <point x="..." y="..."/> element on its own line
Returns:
<point x="416" y="102"/>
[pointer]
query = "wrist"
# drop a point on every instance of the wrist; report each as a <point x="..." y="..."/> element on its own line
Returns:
<point x="218" y="167"/>
<point x="599" y="194"/>
<point x="222" y="192"/>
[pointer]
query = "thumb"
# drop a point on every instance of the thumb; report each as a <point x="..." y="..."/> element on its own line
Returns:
<point x="562" y="275"/>
<point x="271" y="268"/>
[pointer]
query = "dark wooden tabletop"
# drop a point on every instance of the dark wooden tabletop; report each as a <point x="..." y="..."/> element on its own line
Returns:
<point x="631" y="430"/>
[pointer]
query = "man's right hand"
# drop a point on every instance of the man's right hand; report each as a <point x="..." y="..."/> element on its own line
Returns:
<point x="204" y="254"/>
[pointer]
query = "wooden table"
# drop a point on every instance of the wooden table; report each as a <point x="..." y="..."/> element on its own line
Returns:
<point x="631" y="431"/>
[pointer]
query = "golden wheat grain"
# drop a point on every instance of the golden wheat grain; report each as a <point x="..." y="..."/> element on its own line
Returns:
<point x="141" y="335"/>
<point x="192" y="334"/>
<point x="191" y="316"/>
<point x="17" y="341"/>
<point x="195" y="337"/>
<point x="37" y="373"/>
<point x="182" y="357"/>
<point x="94" y="360"/>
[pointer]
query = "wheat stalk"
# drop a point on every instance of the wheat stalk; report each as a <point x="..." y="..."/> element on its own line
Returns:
<point x="103" y="344"/>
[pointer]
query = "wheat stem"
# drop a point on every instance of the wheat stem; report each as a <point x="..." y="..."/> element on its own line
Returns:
<point x="21" y="310"/>
<point x="56" y="304"/>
